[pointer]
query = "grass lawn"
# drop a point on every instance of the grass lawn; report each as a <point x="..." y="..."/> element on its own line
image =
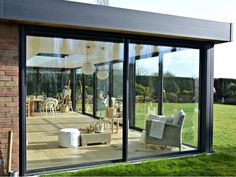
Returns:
<point x="220" y="163"/>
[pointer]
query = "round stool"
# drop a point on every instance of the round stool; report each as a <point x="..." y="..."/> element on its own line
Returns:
<point x="69" y="137"/>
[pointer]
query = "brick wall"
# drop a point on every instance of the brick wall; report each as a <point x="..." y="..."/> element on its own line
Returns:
<point x="9" y="93"/>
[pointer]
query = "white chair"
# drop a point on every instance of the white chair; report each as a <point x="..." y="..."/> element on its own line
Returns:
<point x="55" y="105"/>
<point x="50" y="105"/>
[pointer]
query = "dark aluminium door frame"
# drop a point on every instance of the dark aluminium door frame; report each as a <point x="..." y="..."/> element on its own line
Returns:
<point x="205" y="132"/>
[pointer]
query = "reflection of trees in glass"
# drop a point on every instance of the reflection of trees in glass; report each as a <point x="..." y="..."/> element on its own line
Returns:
<point x="171" y="87"/>
<point x="142" y="90"/>
<point x="31" y="79"/>
<point x="117" y="80"/>
<point x="179" y="88"/>
<point x="78" y="90"/>
<point x="151" y="82"/>
<point x="231" y="93"/>
<point x="140" y="71"/>
<point x="48" y="83"/>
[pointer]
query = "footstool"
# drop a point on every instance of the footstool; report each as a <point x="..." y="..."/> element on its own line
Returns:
<point x="69" y="137"/>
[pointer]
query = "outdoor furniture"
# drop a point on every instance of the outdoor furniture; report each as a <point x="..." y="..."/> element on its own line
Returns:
<point x="50" y="105"/>
<point x="113" y="117"/>
<point x="69" y="137"/>
<point x="93" y="138"/>
<point x="27" y="108"/>
<point x="31" y="105"/>
<point x="172" y="135"/>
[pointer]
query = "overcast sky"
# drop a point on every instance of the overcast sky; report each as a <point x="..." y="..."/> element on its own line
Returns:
<point x="220" y="10"/>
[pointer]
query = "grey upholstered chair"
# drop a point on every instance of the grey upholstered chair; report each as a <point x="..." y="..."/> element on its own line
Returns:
<point x="172" y="135"/>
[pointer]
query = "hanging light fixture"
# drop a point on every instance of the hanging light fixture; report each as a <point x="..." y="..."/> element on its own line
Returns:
<point x="102" y="74"/>
<point x="88" y="68"/>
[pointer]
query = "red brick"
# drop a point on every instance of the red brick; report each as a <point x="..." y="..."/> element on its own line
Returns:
<point x="11" y="84"/>
<point x="9" y="110"/>
<point x="3" y="135"/>
<point x="6" y="47"/>
<point x="8" y="42"/>
<point x="6" y="120"/>
<point x="12" y="104"/>
<point x="6" y="126"/>
<point x="5" y="99"/>
<point x="5" y="68"/>
<point x="7" y="38"/>
<point x="11" y="94"/>
<point x="2" y="94"/>
<point x="2" y="83"/>
<point x="5" y="78"/>
<point x="3" y="141"/>
<point x="11" y="73"/>
<point x="9" y="91"/>
<point x="3" y="146"/>
<point x="2" y="104"/>
<point x="11" y="115"/>
<point x="15" y="99"/>
<point x="15" y="68"/>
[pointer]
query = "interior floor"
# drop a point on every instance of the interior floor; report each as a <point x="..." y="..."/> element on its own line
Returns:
<point x="43" y="150"/>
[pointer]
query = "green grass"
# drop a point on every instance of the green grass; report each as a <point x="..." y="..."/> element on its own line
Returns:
<point x="221" y="163"/>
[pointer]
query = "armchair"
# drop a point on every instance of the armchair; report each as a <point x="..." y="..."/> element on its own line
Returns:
<point x="172" y="135"/>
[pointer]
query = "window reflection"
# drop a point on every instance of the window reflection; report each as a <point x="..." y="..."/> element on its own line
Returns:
<point x="73" y="116"/>
<point x="165" y="113"/>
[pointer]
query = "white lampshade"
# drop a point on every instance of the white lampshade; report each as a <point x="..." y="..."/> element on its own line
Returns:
<point x="88" y="68"/>
<point x="102" y="75"/>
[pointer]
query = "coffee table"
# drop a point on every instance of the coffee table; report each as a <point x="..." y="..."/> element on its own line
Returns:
<point x="93" y="138"/>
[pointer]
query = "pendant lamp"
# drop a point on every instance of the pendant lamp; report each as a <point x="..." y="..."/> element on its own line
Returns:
<point x="102" y="74"/>
<point x="88" y="68"/>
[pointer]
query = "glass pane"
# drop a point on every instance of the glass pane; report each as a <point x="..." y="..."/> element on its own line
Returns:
<point x="79" y="90"/>
<point x="177" y="129"/>
<point x="146" y="85"/>
<point x="118" y="79"/>
<point x="102" y="90"/>
<point x="65" y="77"/>
<point x="146" y="76"/>
<point x="88" y="82"/>
<point x="181" y="89"/>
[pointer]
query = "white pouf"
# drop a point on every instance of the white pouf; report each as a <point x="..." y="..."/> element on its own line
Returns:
<point x="69" y="137"/>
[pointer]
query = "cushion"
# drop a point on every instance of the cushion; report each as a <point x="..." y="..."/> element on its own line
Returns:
<point x="153" y="116"/>
<point x="168" y="119"/>
<point x="177" y="117"/>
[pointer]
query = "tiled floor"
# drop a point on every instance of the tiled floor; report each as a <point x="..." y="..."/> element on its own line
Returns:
<point x="43" y="150"/>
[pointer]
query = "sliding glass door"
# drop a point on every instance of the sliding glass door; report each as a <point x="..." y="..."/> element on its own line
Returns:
<point x="77" y="102"/>
<point x="164" y="114"/>
<point x="181" y="90"/>
<point x="69" y="83"/>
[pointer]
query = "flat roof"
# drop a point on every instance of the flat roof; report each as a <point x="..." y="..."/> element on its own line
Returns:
<point x="95" y="17"/>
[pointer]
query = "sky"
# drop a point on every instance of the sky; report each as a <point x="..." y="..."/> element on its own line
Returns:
<point x="218" y="10"/>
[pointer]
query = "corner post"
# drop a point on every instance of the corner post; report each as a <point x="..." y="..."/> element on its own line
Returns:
<point x="206" y="84"/>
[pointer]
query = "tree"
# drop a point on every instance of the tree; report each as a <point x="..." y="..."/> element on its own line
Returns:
<point x="141" y="90"/>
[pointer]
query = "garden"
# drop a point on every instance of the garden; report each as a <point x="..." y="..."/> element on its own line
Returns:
<point x="222" y="162"/>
